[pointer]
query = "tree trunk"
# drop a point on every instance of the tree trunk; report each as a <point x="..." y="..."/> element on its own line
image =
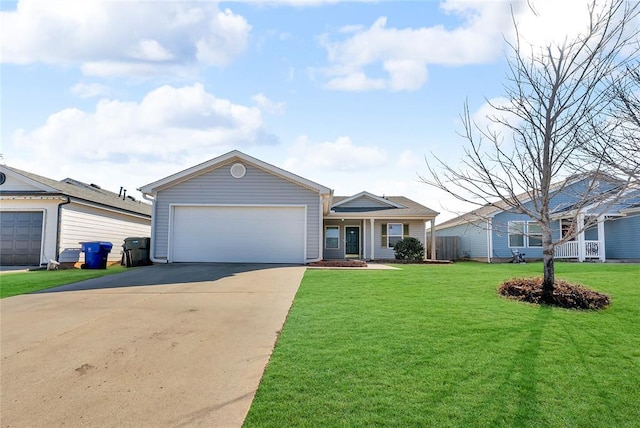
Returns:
<point x="548" y="283"/>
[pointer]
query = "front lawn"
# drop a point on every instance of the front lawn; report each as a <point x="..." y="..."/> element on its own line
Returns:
<point x="14" y="283"/>
<point x="434" y="345"/>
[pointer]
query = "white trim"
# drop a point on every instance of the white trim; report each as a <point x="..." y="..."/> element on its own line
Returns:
<point x="221" y="160"/>
<point x="490" y="239"/>
<point x="364" y="239"/>
<point x="359" y="239"/>
<point x="371" y="196"/>
<point x="388" y="234"/>
<point x="172" y="208"/>
<point x="325" y="237"/>
<point x="372" y="221"/>
<point x="528" y="235"/>
<point x="31" y="182"/>
<point x="524" y="225"/>
<point x="105" y="208"/>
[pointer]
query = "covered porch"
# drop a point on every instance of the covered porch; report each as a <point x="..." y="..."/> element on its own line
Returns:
<point x="589" y="243"/>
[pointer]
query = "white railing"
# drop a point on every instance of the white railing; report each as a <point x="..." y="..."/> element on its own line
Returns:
<point x="570" y="250"/>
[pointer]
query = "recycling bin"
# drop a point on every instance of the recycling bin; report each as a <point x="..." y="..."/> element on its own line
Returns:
<point x="95" y="254"/>
<point x="136" y="252"/>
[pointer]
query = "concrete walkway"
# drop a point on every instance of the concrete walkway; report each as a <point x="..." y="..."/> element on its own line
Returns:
<point x="166" y="345"/>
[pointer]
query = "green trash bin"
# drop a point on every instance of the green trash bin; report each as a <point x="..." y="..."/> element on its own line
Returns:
<point x="136" y="252"/>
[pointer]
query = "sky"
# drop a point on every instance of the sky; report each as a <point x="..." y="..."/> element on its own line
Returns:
<point x="353" y="95"/>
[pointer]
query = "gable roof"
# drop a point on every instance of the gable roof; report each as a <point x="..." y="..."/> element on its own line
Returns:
<point x="383" y="202"/>
<point x="489" y="210"/>
<point x="78" y="190"/>
<point x="227" y="158"/>
<point x="398" y="207"/>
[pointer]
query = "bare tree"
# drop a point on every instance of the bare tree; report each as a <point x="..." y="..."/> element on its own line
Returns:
<point x="559" y="97"/>
<point x="623" y="157"/>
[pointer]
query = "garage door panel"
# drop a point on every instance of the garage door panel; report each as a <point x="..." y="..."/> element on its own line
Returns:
<point x="238" y="234"/>
<point x="21" y="237"/>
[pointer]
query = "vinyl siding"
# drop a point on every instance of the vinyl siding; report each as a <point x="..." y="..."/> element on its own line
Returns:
<point x="473" y="238"/>
<point x="13" y="184"/>
<point x="219" y="187"/>
<point x="623" y="238"/>
<point x="81" y="223"/>
<point x="416" y="230"/>
<point x="339" y="253"/>
<point x="50" y="220"/>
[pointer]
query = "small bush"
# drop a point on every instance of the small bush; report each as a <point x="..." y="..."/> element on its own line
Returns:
<point x="409" y="249"/>
<point x="565" y="295"/>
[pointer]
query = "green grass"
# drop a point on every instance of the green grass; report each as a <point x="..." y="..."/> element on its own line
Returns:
<point x="13" y="284"/>
<point x="434" y="345"/>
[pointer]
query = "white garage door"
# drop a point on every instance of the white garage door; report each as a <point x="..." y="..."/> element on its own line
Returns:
<point x="238" y="234"/>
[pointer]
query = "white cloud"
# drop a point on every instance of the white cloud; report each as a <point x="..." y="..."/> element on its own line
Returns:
<point x="267" y="105"/>
<point x="89" y="90"/>
<point x="339" y="155"/>
<point x="171" y="126"/>
<point x="405" y="53"/>
<point x="122" y="37"/>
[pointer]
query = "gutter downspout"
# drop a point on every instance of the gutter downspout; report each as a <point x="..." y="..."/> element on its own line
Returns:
<point x="153" y="229"/>
<point x="59" y="221"/>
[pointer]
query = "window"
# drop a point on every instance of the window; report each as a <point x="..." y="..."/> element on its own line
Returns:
<point x="534" y="234"/>
<point x="516" y="234"/>
<point x="332" y="237"/>
<point x="394" y="234"/>
<point x="567" y="227"/>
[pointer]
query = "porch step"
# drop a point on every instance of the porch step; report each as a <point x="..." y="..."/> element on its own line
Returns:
<point x="339" y="263"/>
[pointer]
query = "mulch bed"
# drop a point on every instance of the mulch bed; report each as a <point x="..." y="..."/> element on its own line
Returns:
<point x="565" y="295"/>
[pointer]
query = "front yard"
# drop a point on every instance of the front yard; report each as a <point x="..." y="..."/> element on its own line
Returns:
<point x="15" y="283"/>
<point x="434" y="345"/>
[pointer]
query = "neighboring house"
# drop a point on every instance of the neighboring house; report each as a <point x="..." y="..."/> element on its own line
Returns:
<point x="491" y="233"/>
<point x="43" y="219"/>
<point x="236" y="208"/>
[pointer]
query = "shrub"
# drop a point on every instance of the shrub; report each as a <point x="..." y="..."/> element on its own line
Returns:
<point x="409" y="249"/>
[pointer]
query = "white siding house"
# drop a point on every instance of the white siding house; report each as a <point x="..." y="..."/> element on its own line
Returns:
<point x="43" y="219"/>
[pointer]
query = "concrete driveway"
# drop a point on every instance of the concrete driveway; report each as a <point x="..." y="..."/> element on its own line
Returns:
<point x="164" y="345"/>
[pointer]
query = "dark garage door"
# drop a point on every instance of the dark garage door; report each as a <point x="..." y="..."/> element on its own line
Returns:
<point x="21" y="238"/>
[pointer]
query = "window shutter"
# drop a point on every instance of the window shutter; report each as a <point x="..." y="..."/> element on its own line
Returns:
<point x="405" y="231"/>
<point x="383" y="235"/>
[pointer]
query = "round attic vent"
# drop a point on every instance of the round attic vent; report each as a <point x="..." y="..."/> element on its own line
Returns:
<point x="238" y="170"/>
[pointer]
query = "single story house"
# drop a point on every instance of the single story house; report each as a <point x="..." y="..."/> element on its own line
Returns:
<point x="236" y="208"/>
<point x="43" y="219"/>
<point x="492" y="233"/>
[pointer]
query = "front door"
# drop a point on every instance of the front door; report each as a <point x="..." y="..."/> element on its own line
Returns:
<point x="352" y="246"/>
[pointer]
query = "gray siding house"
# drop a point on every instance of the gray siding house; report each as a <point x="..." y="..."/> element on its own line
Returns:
<point x="236" y="208"/>
<point x="491" y="233"/>
<point x="367" y="226"/>
<point x="43" y="219"/>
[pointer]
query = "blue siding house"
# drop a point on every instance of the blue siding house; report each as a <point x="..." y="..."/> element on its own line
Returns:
<point x="495" y="233"/>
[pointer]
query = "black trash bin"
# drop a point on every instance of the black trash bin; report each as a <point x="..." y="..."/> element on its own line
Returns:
<point x="95" y="254"/>
<point x="136" y="252"/>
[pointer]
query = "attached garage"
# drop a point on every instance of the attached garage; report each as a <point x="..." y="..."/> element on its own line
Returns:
<point x="236" y="209"/>
<point x="21" y="237"/>
<point x="249" y="234"/>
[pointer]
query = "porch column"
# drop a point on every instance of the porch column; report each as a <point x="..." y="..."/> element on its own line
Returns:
<point x="373" y="232"/>
<point x="433" y="238"/>
<point x="364" y="240"/>
<point x="601" y="248"/>
<point x="580" y="237"/>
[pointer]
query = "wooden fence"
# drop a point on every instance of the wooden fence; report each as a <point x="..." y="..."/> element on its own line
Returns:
<point x="447" y="248"/>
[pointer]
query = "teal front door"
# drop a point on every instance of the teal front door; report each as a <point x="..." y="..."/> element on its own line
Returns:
<point x="352" y="238"/>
